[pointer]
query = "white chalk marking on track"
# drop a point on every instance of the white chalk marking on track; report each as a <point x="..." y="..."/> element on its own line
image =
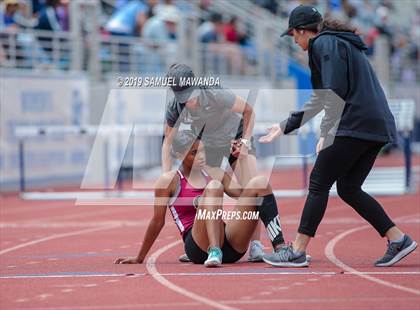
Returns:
<point x="241" y="301"/>
<point x="329" y="253"/>
<point x="215" y="274"/>
<point x="52" y="237"/>
<point x="32" y="263"/>
<point x="151" y="267"/>
<point x="44" y="296"/>
<point x="67" y="290"/>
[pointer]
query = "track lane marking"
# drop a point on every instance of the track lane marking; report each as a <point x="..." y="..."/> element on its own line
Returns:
<point x="151" y="267"/>
<point x="329" y="253"/>
<point x="53" y="237"/>
<point x="193" y="274"/>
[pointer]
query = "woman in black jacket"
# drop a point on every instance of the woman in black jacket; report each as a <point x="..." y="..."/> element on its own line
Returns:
<point x="356" y="125"/>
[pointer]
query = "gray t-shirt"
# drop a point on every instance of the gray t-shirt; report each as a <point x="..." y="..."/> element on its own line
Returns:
<point x="214" y="119"/>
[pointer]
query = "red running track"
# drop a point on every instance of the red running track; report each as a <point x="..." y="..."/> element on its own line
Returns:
<point x="57" y="256"/>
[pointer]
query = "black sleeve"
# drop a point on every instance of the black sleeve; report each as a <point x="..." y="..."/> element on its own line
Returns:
<point x="300" y="118"/>
<point x="331" y="57"/>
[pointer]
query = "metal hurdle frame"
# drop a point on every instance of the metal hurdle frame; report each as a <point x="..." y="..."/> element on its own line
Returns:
<point x="23" y="133"/>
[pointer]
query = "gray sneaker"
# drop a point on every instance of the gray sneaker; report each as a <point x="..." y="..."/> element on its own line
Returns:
<point x="286" y="257"/>
<point x="396" y="251"/>
<point x="184" y="258"/>
<point x="256" y="251"/>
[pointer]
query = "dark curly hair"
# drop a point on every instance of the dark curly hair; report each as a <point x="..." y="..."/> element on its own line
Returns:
<point x="183" y="141"/>
<point x="329" y="24"/>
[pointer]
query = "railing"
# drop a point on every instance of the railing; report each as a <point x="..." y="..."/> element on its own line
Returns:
<point x="35" y="49"/>
<point x="135" y="55"/>
<point x="266" y="57"/>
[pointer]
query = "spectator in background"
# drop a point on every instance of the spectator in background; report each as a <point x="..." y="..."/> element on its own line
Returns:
<point x="12" y="15"/>
<point x="270" y="5"/>
<point x="118" y="4"/>
<point x="8" y="16"/>
<point x="164" y="5"/>
<point x="63" y="14"/>
<point x="212" y="33"/>
<point x="15" y="15"/>
<point x="231" y="31"/>
<point x="160" y="33"/>
<point x="212" y="30"/>
<point x="37" y="6"/>
<point x="128" y="20"/>
<point x="151" y="8"/>
<point x="48" y="18"/>
<point x="204" y="7"/>
<point x="162" y="27"/>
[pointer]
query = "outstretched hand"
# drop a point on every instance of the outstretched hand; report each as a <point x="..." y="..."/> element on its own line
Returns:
<point x="273" y="132"/>
<point x="127" y="260"/>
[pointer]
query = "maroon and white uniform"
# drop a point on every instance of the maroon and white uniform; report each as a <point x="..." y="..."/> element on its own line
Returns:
<point x="184" y="203"/>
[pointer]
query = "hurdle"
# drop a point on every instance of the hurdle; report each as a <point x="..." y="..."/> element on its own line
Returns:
<point x="26" y="133"/>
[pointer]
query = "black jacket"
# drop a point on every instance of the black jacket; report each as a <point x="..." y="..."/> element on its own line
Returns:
<point x="338" y="62"/>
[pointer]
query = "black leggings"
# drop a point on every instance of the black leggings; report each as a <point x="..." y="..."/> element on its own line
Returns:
<point x="347" y="161"/>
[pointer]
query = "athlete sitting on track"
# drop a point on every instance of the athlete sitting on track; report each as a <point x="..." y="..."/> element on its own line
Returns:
<point x="196" y="186"/>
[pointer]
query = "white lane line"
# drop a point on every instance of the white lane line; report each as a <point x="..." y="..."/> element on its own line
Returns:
<point x="40" y="207"/>
<point x="112" y="281"/>
<point x="67" y="224"/>
<point x="44" y="296"/>
<point x="52" y="237"/>
<point x="67" y="290"/>
<point x="151" y="267"/>
<point x="242" y="301"/>
<point x="329" y="253"/>
<point x="214" y="274"/>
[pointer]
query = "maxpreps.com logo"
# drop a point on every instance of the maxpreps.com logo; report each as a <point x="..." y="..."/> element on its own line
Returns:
<point x="220" y="214"/>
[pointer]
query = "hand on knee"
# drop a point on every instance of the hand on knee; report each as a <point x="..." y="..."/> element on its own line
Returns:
<point x="213" y="196"/>
<point x="214" y="188"/>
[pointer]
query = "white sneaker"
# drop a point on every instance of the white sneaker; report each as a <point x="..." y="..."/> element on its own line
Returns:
<point x="215" y="257"/>
<point x="256" y="251"/>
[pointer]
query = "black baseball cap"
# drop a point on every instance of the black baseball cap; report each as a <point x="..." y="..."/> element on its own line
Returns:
<point x="302" y="16"/>
<point x="178" y="71"/>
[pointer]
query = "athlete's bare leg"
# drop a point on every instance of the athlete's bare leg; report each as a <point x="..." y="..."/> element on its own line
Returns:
<point x="240" y="232"/>
<point x="210" y="233"/>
